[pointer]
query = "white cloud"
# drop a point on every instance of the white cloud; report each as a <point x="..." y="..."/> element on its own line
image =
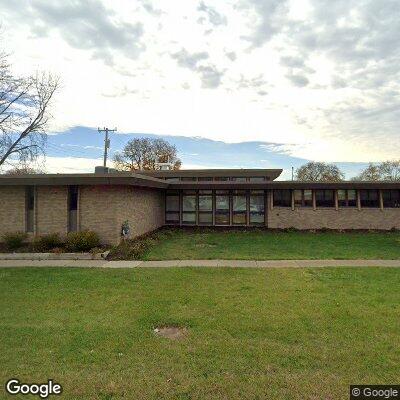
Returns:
<point x="270" y="70"/>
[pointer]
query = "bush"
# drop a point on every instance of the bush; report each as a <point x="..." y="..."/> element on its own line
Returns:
<point x="14" y="240"/>
<point x="47" y="242"/>
<point x="82" y="241"/>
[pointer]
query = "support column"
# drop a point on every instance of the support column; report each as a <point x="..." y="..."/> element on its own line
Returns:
<point x="380" y="199"/>
<point x="292" y="196"/>
<point x="358" y="200"/>
<point x="314" y="200"/>
<point x="335" y="192"/>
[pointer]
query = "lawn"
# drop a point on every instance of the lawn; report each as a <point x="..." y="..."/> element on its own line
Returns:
<point x="272" y="245"/>
<point x="252" y="333"/>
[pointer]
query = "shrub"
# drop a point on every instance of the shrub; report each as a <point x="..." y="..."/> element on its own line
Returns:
<point x="14" y="240"/>
<point x="82" y="241"/>
<point x="47" y="242"/>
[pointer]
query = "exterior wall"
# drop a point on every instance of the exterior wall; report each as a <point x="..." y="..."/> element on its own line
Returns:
<point x="51" y="210"/>
<point x="103" y="209"/>
<point x="143" y="208"/>
<point x="12" y="209"/>
<point x="343" y="218"/>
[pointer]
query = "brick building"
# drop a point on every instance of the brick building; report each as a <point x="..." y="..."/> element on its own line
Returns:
<point x="40" y="204"/>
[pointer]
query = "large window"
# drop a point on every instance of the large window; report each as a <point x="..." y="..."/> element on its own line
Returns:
<point x="257" y="207"/>
<point x="391" y="198"/>
<point x="239" y="208"/>
<point x="303" y="198"/>
<point x="221" y="178"/>
<point x="172" y="208"/>
<point x="189" y="208"/>
<point x="222" y="216"/>
<point x="325" y="198"/>
<point x="238" y="178"/>
<point x="257" y="179"/>
<point x="282" y="198"/>
<point x="73" y="208"/>
<point x="205" y="207"/>
<point x="369" y="198"/>
<point x="30" y="208"/>
<point x="188" y="179"/>
<point x="347" y="198"/>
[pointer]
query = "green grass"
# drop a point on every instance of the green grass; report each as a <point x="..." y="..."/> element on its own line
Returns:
<point x="253" y="334"/>
<point x="270" y="245"/>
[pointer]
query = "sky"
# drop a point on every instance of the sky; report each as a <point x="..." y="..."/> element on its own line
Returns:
<point x="318" y="79"/>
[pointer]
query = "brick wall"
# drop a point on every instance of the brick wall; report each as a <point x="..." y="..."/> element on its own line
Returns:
<point x="12" y="209"/>
<point x="343" y="218"/>
<point x="51" y="209"/>
<point x="103" y="209"/>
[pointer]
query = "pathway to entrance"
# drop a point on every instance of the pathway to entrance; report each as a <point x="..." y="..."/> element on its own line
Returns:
<point x="201" y="263"/>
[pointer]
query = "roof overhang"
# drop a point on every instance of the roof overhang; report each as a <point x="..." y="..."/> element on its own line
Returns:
<point x="129" y="179"/>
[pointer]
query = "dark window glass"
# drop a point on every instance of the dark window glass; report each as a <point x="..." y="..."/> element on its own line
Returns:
<point x="73" y="208"/>
<point x="282" y="198"/>
<point x="257" y="209"/>
<point x="222" y="210"/>
<point x="391" y="198"/>
<point x="221" y="178"/>
<point x="347" y="198"/>
<point x="172" y="208"/>
<point x="205" y="178"/>
<point x="303" y="198"/>
<point x="239" y="209"/>
<point x="369" y="198"/>
<point x="205" y="207"/>
<point x="257" y="179"/>
<point x="238" y="179"/>
<point x="188" y="209"/>
<point x="30" y="208"/>
<point x="188" y="179"/>
<point x="325" y="198"/>
<point x="176" y="179"/>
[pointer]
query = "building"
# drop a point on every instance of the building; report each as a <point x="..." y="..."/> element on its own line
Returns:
<point x="102" y="202"/>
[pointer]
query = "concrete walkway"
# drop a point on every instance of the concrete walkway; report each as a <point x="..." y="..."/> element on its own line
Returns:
<point x="201" y="263"/>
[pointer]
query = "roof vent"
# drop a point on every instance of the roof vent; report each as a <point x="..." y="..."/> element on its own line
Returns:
<point x="104" y="170"/>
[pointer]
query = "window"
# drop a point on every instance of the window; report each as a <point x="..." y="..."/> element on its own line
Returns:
<point x="73" y="208"/>
<point x="369" y="198"/>
<point x="221" y="178"/>
<point x="30" y="208"/>
<point x="222" y="208"/>
<point x="282" y="198"/>
<point x="189" y="208"/>
<point x="239" y="208"/>
<point x="347" y="198"/>
<point x="204" y="178"/>
<point x="188" y="179"/>
<point x="391" y="198"/>
<point x="172" y="208"/>
<point x="205" y="207"/>
<point x="257" y="179"/>
<point x="176" y="179"/>
<point x="257" y="208"/>
<point x="238" y="178"/>
<point x="303" y="198"/>
<point x="325" y="198"/>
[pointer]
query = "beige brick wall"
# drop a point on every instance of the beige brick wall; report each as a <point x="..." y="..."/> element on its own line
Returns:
<point x="51" y="209"/>
<point x="103" y="209"/>
<point x="12" y="209"/>
<point x="343" y="218"/>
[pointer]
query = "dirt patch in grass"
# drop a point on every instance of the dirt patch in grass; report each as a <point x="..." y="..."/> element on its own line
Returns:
<point x="171" y="332"/>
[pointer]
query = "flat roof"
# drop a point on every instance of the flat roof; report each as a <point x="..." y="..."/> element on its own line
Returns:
<point x="153" y="179"/>
<point x="212" y="173"/>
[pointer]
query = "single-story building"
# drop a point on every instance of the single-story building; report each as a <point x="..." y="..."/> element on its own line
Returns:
<point x="102" y="202"/>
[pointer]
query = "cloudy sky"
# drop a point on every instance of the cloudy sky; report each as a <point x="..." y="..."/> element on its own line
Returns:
<point x="320" y="78"/>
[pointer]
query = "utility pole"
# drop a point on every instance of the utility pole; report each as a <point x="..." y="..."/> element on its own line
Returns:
<point x="106" y="143"/>
<point x="292" y="173"/>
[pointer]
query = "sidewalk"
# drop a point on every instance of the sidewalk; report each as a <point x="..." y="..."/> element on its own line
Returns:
<point x="201" y="263"/>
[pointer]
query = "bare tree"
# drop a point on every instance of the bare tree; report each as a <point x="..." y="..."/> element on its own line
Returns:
<point x="24" y="170"/>
<point x="24" y="104"/>
<point x="144" y="153"/>
<point x="319" y="172"/>
<point x="384" y="171"/>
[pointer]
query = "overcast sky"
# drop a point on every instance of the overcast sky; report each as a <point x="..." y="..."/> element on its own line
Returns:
<point x="319" y="76"/>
